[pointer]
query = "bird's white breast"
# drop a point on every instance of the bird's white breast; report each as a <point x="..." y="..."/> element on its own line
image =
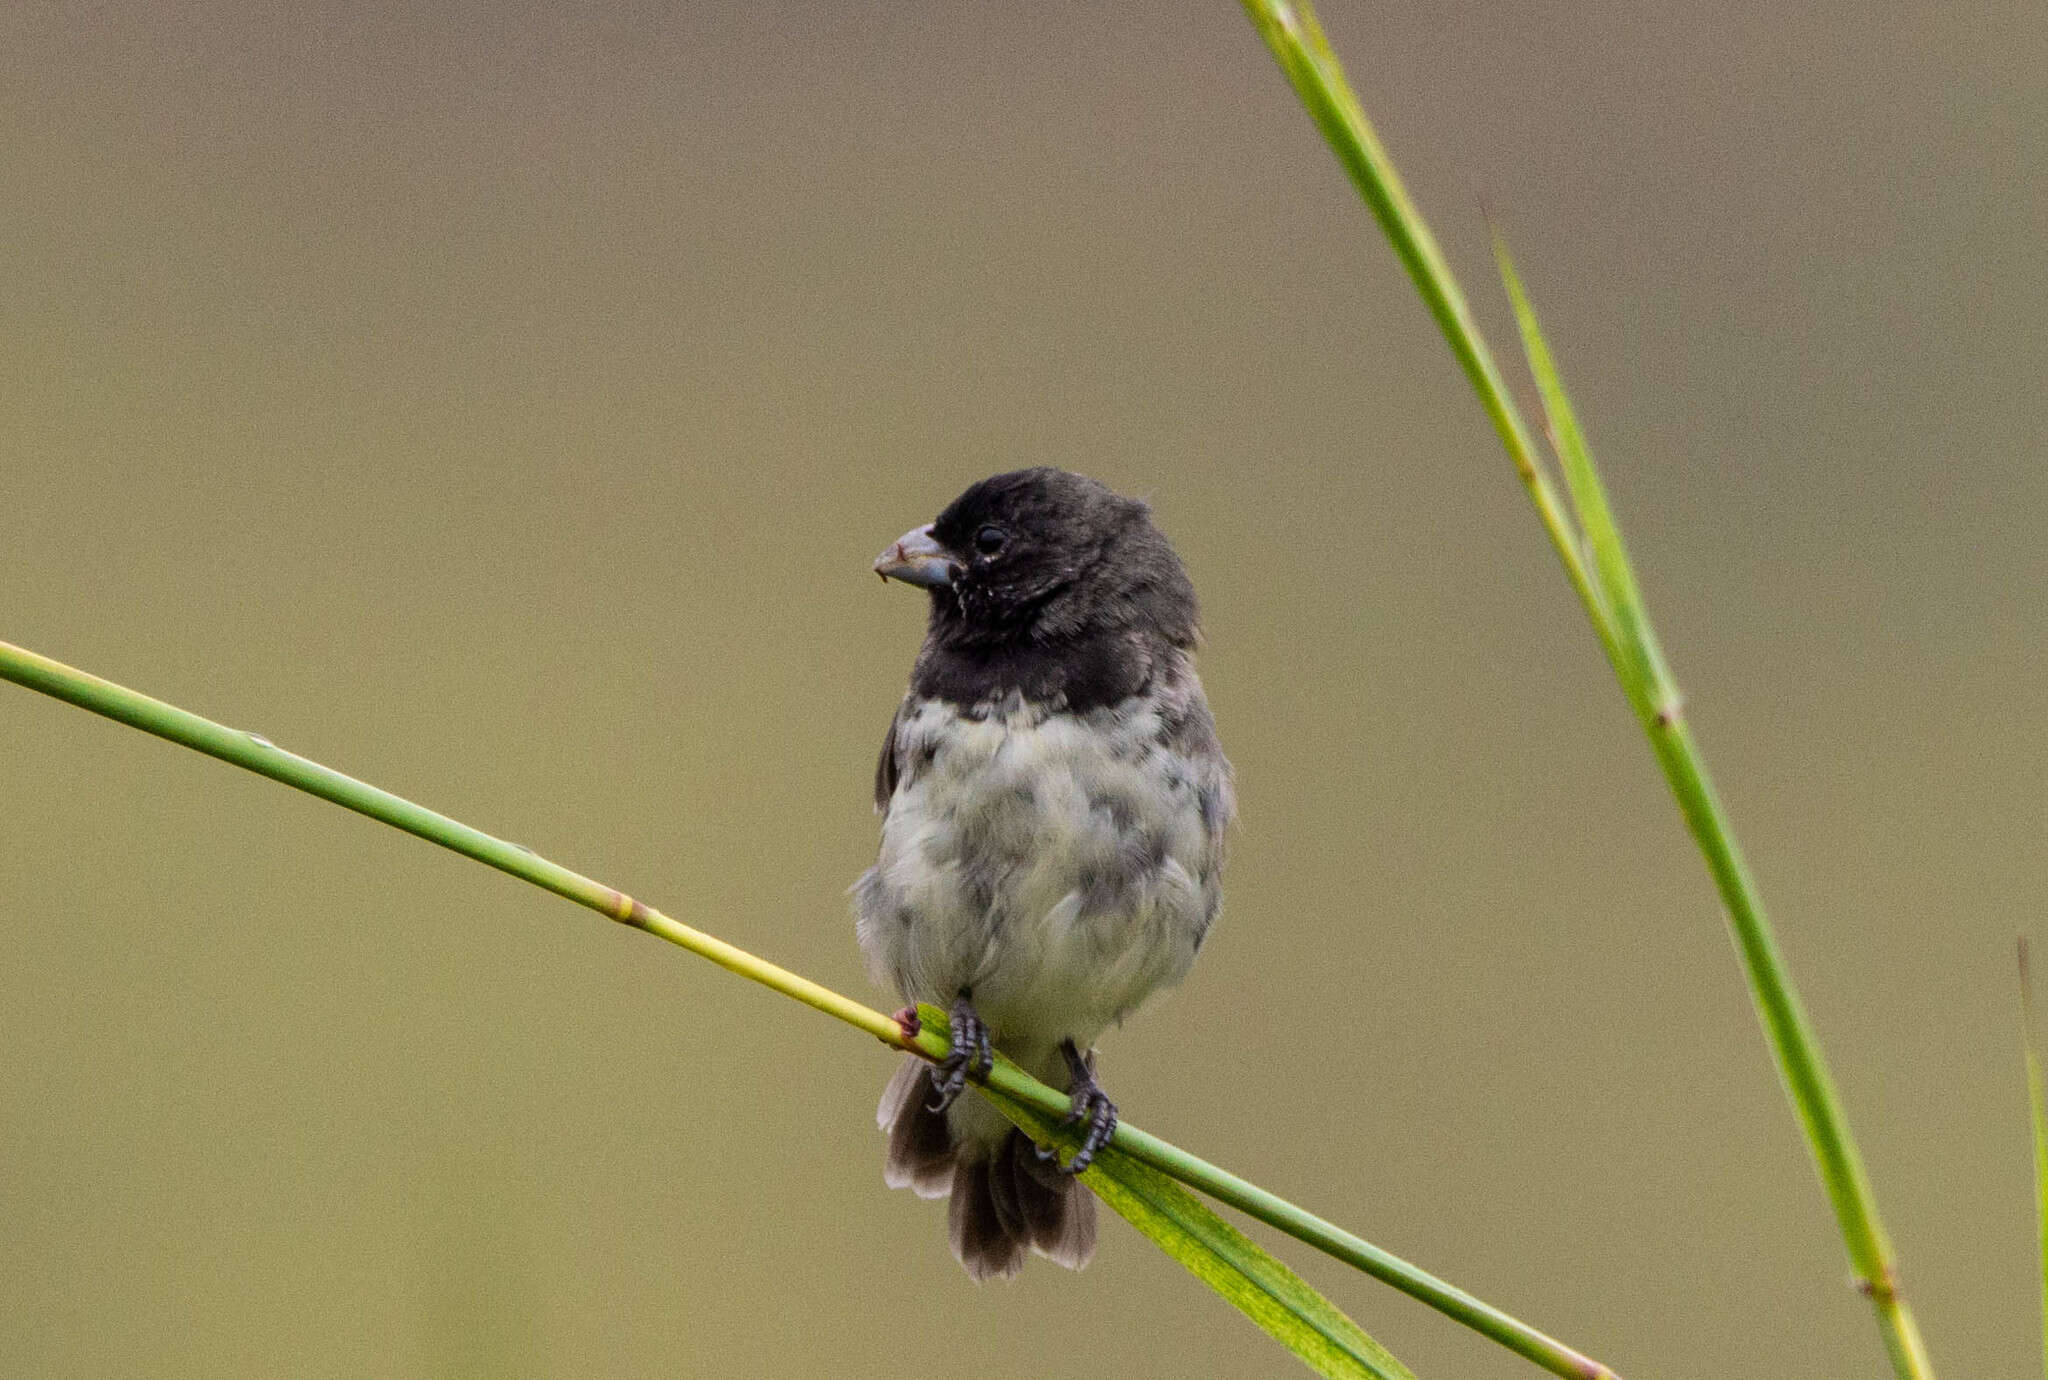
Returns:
<point x="1060" y="867"/>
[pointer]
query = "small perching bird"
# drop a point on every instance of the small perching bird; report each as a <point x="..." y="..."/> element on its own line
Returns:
<point x="1054" y="802"/>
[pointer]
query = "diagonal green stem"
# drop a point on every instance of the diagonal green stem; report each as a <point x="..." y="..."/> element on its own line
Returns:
<point x="256" y="754"/>
<point x="1615" y="605"/>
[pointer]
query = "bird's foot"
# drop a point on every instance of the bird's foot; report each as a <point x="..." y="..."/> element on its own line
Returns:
<point x="1090" y="1107"/>
<point x="970" y="1056"/>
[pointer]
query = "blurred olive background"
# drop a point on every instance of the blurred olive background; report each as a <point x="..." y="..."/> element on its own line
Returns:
<point x="503" y="404"/>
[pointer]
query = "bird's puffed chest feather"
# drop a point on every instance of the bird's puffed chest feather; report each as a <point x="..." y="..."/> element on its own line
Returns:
<point x="1059" y="866"/>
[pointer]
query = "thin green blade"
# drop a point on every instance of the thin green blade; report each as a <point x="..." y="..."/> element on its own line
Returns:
<point x="1248" y="1277"/>
<point x="1645" y="675"/>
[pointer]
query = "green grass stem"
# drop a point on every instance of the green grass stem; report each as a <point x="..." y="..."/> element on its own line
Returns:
<point x="1589" y="543"/>
<point x="257" y="754"/>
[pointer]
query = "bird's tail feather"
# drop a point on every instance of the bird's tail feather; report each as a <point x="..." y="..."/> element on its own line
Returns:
<point x="1006" y="1201"/>
<point x="920" y="1145"/>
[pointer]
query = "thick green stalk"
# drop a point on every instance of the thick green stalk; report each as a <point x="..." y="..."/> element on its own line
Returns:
<point x="1615" y="606"/>
<point x="257" y="754"/>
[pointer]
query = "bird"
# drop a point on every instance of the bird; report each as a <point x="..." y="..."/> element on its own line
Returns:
<point x="1054" y="802"/>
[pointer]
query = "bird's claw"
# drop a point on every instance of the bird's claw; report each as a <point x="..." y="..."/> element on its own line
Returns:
<point x="970" y="1057"/>
<point x="1089" y="1106"/>
<point x="1094" y="1108"/>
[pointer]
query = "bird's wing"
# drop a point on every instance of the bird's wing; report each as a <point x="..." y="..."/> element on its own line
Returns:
<point x="887" y="770"/>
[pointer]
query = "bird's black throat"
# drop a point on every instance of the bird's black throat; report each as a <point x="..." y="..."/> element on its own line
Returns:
<point x="1078" y="674"/>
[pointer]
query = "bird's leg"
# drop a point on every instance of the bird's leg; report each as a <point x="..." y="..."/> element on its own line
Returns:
<point x="1090" y="1107"/>
<point x="970" y="1055"/>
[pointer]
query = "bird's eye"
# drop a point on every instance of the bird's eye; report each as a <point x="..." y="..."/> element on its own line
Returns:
<point x="990" y="540"/>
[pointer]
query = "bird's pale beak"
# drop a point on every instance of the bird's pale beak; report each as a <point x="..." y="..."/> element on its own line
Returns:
<point x="916" y="559"/>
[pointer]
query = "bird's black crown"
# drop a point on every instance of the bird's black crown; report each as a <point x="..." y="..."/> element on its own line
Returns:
<point x="1059" y="590"/>
<point x="1043" y="557"/>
